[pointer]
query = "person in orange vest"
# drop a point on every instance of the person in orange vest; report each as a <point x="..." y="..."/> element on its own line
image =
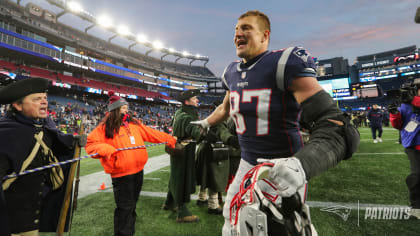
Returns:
<point x="120" y="130"/>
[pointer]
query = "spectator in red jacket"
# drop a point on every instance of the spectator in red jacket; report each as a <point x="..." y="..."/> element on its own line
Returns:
<point x="406" y="118"/>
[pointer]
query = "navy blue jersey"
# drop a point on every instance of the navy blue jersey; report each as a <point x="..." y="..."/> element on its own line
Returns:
<point x="375" y="117"/>
<point x="265" y="113"/>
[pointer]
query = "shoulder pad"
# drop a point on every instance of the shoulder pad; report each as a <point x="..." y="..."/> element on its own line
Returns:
<point x="224" y="72"/>
<point x="293" y="63"/>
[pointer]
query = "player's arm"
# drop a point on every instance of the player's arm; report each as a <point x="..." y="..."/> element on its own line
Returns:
<point x="333" y="138"/>
<point x="220" y="114"/>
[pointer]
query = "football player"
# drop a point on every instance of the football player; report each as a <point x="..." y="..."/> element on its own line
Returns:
<point x="268" y="94"/>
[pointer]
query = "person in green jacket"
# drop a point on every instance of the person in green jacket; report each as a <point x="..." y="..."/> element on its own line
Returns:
<point x="182" y="182"/>
<point x="231" y="139"/>
<point x="212" y="165"/>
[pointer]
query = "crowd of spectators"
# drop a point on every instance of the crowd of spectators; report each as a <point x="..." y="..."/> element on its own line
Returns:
<point x="70" y="110"/>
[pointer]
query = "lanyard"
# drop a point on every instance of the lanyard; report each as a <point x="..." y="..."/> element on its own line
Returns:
<point x="132" y="140"/>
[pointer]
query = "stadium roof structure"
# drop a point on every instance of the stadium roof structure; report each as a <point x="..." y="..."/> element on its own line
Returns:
<point x="122" y="31"/>
<point x="399" y="51"/>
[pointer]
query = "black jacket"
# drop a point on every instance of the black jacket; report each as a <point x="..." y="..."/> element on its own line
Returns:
<point x="42" y="205"/>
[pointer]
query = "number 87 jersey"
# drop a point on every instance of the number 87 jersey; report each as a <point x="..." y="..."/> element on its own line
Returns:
<point x="265" y="113"/>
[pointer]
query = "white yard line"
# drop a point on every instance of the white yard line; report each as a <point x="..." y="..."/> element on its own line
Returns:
<point x="378" y="153"/>
<point x="384" y="139"/>
<point x="316" y="204"/>
<point x="91" y="183"/>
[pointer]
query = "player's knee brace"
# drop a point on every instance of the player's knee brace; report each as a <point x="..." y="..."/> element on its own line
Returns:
<point x="329" y="143"/>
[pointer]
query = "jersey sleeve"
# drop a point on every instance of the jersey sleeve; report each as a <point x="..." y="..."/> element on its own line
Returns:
<point x="223" y="77"/>
<point x="299" y="64"/>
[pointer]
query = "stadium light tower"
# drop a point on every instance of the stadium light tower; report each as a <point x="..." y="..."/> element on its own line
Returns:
<point x="184" y="54"/>
<point x="164" y="55"/>
<point x="69" y="6"/>
<point x="74" y="7"/>
<point x="157" y="45"/>
<point x="192" y="60"/>
<point x="197" y="56"/>
<point x="141" y="38"/>
<point x="122" y="30"/>
<point x="167" y="52"/>
<point x="102" y="21"/>
<point x="89" y="27"/>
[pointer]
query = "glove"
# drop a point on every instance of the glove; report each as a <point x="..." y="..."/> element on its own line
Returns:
<point x="80" y="140"/>
<point x="202" y="123"/>
<point x="177" y="151"/>
<point x="233" y="141"/>
<point x="393" y="109"/>
<point x="288" y="176"/>
<point x="211" y="137"/>
<point x="171" y="141"/>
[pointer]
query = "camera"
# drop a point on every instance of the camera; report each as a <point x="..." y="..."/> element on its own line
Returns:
<point x="405" y="94"/>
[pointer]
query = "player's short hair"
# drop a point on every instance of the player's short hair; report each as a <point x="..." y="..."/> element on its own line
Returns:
<point x="263" y="20"/>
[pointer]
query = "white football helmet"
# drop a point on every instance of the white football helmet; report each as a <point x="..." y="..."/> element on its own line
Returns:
<point x="258" y="210"/>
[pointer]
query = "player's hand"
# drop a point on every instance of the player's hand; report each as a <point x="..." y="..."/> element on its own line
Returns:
<point x="202" y="123"/>
<point x="288" y="176"/>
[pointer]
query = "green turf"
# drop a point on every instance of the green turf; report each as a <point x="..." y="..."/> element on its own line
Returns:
<point x="373" y="178"/>
<point x="368" y="177"/>
<point x="157" y="181"/>
<point x="97" y="218"/>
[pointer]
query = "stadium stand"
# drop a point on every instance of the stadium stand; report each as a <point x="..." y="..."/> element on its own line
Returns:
<point x="34" y="43"/>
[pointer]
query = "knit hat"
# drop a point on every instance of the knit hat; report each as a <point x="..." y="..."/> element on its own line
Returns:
<point x="22" y="88"/>
<point x="115" y="101"/>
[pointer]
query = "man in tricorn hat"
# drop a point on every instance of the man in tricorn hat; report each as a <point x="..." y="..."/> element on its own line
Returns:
<point x="29" y="139"/>
<point x="182" y="178"/>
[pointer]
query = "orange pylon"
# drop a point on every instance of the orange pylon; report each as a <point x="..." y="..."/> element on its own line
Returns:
<point x="102" y="186"/>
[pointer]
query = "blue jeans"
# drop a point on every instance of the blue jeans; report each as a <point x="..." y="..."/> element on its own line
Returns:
<point x="126" y="193"/>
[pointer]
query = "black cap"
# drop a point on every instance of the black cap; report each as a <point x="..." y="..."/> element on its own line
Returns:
<point x="22" y="88"/>
<point x="185" y="95"/>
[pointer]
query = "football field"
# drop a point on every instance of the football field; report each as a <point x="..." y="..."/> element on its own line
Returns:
<point x="358" y="197"/>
